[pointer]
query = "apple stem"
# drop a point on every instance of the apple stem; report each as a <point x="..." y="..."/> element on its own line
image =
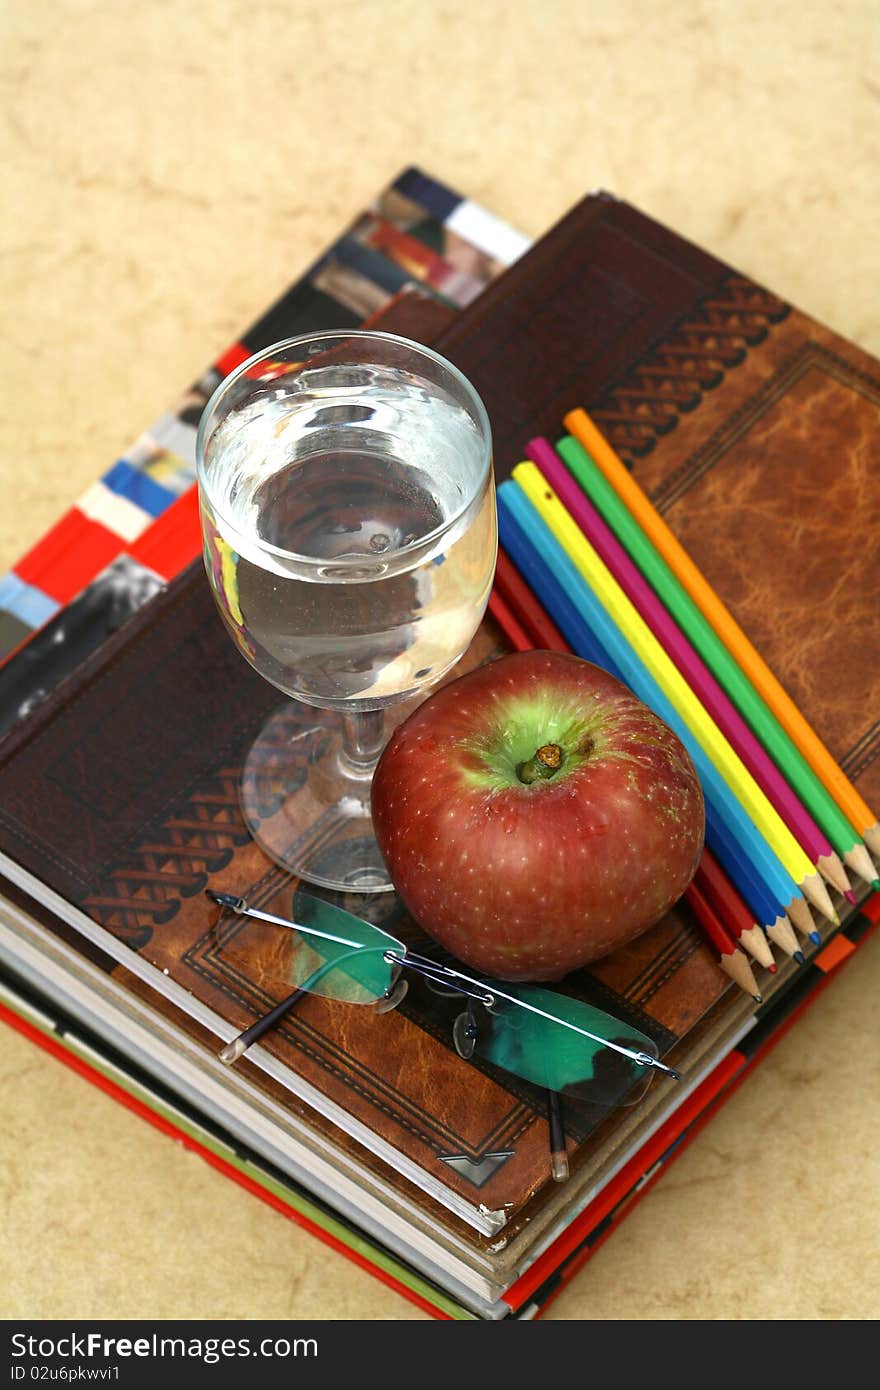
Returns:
<point x="544" y="763"/>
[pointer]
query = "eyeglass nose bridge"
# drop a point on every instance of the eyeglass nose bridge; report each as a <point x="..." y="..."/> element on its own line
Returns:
<point x="431" y="970"/>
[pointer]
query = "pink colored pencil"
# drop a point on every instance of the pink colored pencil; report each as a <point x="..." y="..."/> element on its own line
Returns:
<point x="689" y="663"/>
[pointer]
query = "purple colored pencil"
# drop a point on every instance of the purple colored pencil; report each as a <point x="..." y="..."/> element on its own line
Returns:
<point x="679" y="649"/>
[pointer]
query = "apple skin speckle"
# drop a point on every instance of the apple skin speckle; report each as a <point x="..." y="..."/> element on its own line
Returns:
<point x="529" y="882"/>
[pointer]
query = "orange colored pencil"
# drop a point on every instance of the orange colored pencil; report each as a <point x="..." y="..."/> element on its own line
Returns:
<point x="789" y="716"/>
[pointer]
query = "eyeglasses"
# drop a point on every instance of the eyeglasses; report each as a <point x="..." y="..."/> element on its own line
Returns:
<point x="561" y="1044"/>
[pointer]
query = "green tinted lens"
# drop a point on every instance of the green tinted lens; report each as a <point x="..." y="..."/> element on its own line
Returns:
<point x="562" y="1044"/>
<point x="335" y="954"/>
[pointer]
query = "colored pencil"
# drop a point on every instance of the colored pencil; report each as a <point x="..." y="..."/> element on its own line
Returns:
<point x="521" y="543"/>
<point x="561" y="588"/>
<point x="763" y="902"/>
<point x="795" y="815"/>
<point x="524" y="605"/>
<point x="508" y="621"/>
<point x="730" y="907"/>
<point x="744" y="878"/>
<point x="800" y="916"/>
<point x="781" y="934"/>
<point x="624" y="507"/>
<point x="739" y="798"/>
<point x="731" y="959"/>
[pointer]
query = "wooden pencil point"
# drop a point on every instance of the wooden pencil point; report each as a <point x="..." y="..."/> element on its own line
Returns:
<point x="755" y="942"/>
<point x="781" y="934"/>
<point x="814" y="889"/>
<point x="831" y="868"/>
<point x="871" y="837"/>
<point x="859" y="860"/>
<point x="799" y="914"/>
<point x="735" y="964"/>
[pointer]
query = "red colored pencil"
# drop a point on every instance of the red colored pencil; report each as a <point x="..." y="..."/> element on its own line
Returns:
<point x="520" y="599"/>
<point x="730" y="907"/>
<point x="731" y="959"/>
<point x="515" y="633"/>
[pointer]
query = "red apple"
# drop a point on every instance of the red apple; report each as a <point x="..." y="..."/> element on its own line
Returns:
<point x="535" y="815"/>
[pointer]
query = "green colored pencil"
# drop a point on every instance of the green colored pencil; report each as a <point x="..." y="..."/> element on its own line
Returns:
<point x="736" y="685"/>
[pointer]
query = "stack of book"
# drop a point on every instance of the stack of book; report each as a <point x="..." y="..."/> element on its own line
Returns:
<point x="119" y="771"/>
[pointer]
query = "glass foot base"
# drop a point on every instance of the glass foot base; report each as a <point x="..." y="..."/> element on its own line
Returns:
<point x="308" y="806"/>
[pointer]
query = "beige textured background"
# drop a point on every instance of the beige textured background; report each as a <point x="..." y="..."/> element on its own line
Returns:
<point x="169" y="168"/>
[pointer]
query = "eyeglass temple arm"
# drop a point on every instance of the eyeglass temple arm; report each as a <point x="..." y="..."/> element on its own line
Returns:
<point x="239" y="905"/>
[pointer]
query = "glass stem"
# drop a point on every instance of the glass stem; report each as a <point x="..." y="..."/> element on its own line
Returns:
<point x="363" y="735"/>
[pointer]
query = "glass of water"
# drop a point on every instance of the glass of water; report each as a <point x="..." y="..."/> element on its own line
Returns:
<point x="348" y="519"/>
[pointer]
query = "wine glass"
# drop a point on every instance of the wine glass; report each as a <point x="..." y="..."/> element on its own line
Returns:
<point x="348" y="518"/>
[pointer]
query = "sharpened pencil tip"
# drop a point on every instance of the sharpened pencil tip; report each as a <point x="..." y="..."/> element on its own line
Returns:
<point x="772" y="968"/>
<point x="800" y="957"/>
<point x="850" y="896"/>
<point x="758" y="998"/>
<point x="815" y="938"/>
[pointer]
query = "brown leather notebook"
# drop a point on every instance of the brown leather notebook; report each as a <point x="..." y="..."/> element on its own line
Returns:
<point x="120" y="793"/>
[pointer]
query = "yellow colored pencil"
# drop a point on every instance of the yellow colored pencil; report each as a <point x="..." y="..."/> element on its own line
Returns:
<point x="674" y="686"/>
